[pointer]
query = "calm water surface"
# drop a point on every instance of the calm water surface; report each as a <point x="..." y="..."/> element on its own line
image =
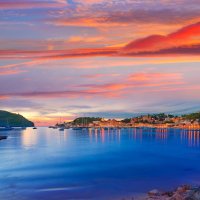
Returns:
<point x="46" y="164"/>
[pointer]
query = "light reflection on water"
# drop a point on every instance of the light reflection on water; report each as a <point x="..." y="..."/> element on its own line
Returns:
<point x="96" y="164"/>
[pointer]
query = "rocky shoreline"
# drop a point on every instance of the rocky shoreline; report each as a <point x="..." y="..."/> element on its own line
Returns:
<point x="184" y="192"/>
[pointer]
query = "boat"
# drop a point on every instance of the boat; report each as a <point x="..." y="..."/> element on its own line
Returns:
<point x="61" y="129"/>
<point x="3" y="137"/>
<point x="34" y="127"/>
<point x="6" y="128"/>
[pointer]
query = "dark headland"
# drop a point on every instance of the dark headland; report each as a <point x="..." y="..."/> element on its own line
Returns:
<point x="8" y="119"/>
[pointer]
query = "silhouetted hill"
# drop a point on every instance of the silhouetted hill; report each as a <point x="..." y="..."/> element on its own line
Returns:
<point x="13" y="120"/>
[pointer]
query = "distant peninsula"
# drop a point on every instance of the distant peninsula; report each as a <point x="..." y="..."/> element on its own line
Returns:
<point x="13" y="120"/>
<point x="161" y="120"/>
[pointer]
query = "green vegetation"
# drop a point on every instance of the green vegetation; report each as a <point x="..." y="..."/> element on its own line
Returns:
<point x="13" y="120"/>
<point x="161" y="116"/>
<point x="127" y="120"/>
<point x="192" y="116"/>
<point x="85" y="120"/>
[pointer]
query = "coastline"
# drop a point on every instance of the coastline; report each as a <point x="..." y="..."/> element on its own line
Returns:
<point x="184" y="192"/>
<point x="149" y="126"/>
<point x="161" y="121"/>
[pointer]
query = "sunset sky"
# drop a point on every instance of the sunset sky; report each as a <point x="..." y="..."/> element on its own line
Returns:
<point x="112" y="59"/>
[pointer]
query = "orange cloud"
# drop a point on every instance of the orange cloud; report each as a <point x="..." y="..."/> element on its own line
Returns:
<point x="57" y="54"/>
<point x="2" y="97"/>
<point x="56" y="94"/>
<point x="138" y="81"/>
<point x="154" y="76"/>
<point x="97" y="22"/>
<point x="184" y="41"/>
<point x="10" y="72"/>
<point x="85" y="39"/>
<point x="187" y="37"/>
<point x="95" y="76"/>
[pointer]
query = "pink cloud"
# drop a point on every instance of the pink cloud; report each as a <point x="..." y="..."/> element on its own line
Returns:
<point x="137" y="81"/>
<point x="133" y="82"/>
<point x="10" y="72"/>
<point x="154" y="76"/>
<point x="181" y="42"/>
<point x="2" y="97"/>
<point x="29" y="4"/>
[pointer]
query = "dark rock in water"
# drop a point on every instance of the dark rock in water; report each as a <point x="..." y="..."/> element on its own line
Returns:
<point x="3" y="137"/>
<point x="177" y="196"/>
<point x="194" y="194"/>
<point x="184" y="192"/>
<point x="154" y="192"/>
<point x="168" y="194"/>
<point x="183" y="189"/>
